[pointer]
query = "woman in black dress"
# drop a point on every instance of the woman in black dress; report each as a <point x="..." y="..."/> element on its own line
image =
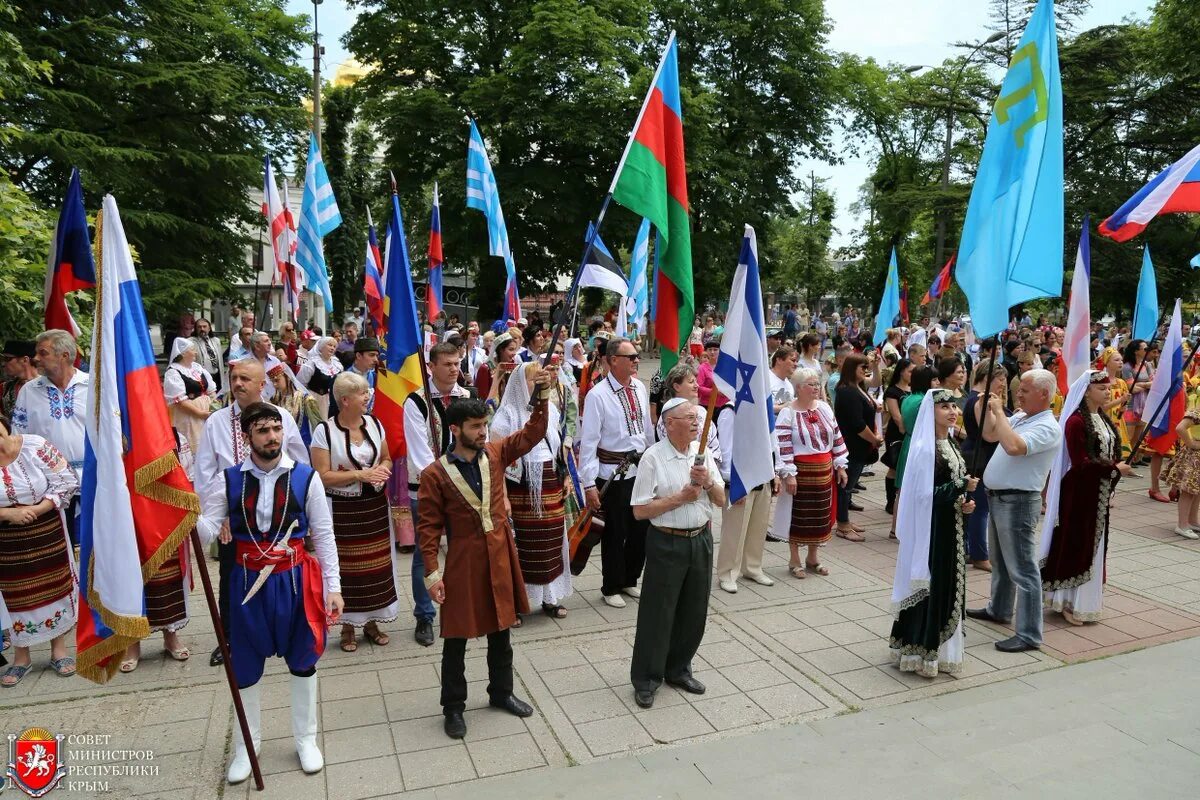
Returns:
<point x="855" y="413"/>
<point x="893" y="427"/>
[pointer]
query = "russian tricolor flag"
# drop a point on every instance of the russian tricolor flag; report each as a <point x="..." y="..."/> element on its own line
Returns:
<point x="137" y="505"/>
<point x="1166" y="402"/>
<point x="433" y="292"/>
<point x="70" y="266"/>
<point x="373" y="278"/>
<point x="1077" y="337"/>
<point x="1175" y="190"/>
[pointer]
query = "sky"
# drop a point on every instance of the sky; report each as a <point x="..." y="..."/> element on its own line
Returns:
<point x="901" y="31"/>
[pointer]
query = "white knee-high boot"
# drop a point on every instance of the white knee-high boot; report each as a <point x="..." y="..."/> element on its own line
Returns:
<point x="239" y="766"/>
<point x="304" y="723"/>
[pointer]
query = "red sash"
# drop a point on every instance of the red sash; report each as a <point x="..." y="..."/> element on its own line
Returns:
<point x="314" y="593"/>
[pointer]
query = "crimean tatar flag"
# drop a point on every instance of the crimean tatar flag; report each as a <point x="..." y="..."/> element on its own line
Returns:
<point x="433" y="292"/>
<point x="400" y="373"/>
<point x="136" y="503"/>
<point x="889" y="304"/>
<point x="70" y="267"/>
<point x="651" y="181"/>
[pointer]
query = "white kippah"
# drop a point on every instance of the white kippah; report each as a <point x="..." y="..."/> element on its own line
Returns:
<point x="674" y="402"/>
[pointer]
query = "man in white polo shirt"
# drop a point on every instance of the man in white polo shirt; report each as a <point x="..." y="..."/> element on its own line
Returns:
<point x="1015" y="478"/>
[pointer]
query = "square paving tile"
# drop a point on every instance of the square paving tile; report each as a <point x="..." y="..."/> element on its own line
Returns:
<point x="437" y="767"/>
<point x="616" y="735"/>
<point x="673" y="723"/>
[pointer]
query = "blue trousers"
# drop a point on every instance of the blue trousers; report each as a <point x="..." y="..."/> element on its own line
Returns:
<point x="977" y="526"/>
<point x="271" y="624"/>
<point x="423" y="608"/>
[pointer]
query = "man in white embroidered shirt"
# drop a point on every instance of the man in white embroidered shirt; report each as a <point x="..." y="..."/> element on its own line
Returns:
<point x="678" y="496"/>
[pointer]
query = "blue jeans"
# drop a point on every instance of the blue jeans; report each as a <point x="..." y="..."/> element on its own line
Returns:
<point x="423" y="608"/>
<point x="977" y="526"/>
<point x="1012" y="542"/>
<point x="853" y="473"/>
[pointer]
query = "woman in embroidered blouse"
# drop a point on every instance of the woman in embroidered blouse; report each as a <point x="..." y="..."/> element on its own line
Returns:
<point x="38" y="577"/>
<point x="350" y="452"/>
<point x="491" y="377"/>
<point x="319" y="371"/>
<point x="303" y="407"/>
<point x="189" y="390"/>
<point x="813" y="459"/>
<point x="681" y="381"/>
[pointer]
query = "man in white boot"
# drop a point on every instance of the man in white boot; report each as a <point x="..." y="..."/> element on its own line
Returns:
<point x="284" y="599"/>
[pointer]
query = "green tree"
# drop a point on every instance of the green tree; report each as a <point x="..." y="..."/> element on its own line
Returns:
<point x="169" y="105"/>
<point x="799" y="245"/>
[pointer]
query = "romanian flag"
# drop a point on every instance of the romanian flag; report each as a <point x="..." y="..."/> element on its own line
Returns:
<point x="941" y="283"/>
<point x="433" y="292"/>
<point x="136" y="503"/>
<point x="400" y="374"/>
<point x="373" y="278"/>
<point x="651" y="181"/>
<point x="71" y="266"/>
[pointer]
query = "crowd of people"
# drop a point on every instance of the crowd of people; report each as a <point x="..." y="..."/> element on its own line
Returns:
<point x="987" y="465"/>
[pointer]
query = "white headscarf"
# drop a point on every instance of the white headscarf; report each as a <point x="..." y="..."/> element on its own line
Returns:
<point x="331" y="366"/>
<point x="568" y="348"/>
<point x="914" y="518"/>
<point x="180" y="346"/>
<point x="1062" y="462"/>
<point x="511" y="416"/>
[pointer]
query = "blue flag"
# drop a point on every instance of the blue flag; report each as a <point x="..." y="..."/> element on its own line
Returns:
<point x="318" y="216"/>
<point x="1195" y="262"/>
<point x="1145" y="309"/>
<point x="483" y="195"/>
<point x="889" y="304"/>
<point x="1012" y="239"/>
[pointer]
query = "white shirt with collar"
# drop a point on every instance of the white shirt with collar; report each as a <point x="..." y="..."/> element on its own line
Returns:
<point x="1028" y="473"/>
<point x="416" y="431"/>
<point x="664" y="471"/>
<point x="214" y="513"/>
<point x="222" y="445"/>
<point x="57" y="416"/>
<point x="616" y="423"/>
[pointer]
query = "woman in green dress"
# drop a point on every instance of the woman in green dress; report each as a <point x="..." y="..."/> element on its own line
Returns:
<point x="930" y="586"/>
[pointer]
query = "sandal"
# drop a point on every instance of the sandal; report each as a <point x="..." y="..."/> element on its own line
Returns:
<point x="127" y="665"/>
<point x="796" y="571"/>
<point x="857" y="528"/>
<point x="348" y="644"/>
<point x="377" y="637"/>
<point x="892" y="534"/>
<point x="181" y="654"/>
<point x="553" y="612"/>
<point x="519" y="622"/>
<point x="12" y="676"/>
<point x="65" y="666"/>
<point x="816" y="569"/>
<point x="850" y="535"/>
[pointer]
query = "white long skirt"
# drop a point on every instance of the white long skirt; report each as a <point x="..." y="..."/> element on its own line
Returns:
<point x="949" y="657"/>
<point x="557" y="590"/>
<point x="1085" y="602"/>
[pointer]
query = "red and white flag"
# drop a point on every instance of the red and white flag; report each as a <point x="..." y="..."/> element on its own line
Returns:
<point x="1077" y="336"/>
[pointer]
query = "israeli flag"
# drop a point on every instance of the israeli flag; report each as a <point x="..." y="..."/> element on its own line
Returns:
<point x="741" y="375"/>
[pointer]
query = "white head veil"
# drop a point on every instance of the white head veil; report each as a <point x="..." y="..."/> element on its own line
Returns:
<point x="1062" y="462"/>
<point x="569" y="348"/>
<point x="180" y="346"/>
<point x="915" y="515"/>
<point x="330" y="366"/>
<point x="511" y="416"/>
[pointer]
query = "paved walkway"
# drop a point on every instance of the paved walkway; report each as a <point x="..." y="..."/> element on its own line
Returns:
<point x="800" y="697"/>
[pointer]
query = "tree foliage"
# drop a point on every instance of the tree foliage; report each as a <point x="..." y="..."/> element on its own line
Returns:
<point x="797" y="245"/>
<point x="169" y="105"/>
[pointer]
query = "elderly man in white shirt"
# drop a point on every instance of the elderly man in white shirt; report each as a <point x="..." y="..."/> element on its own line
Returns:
<point x="222" y="445"/>
<point x="1014" y="478"/>
<point x="678" y="493"/>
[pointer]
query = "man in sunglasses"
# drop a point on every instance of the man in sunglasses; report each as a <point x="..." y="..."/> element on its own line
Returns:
<point x="616" y="427"/>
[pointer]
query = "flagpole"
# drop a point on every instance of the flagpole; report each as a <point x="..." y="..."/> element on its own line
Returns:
<point x="258" y="275"/>
<point x="1161" y="405"/>
<point x="986" y="398"/>
<point x="214" y="612"/>
<point x="708" y="416"/>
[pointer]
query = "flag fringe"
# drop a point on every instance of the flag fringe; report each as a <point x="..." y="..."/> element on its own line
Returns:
<point x="147" y="481"/>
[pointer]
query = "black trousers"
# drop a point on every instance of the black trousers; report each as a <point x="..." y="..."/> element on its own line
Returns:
<point x="454" y="671"/>
<point x="623" y="540"/>
<point x="227" y="560"/>
<point x="674" y="607"/>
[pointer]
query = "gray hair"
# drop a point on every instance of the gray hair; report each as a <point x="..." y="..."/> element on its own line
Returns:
<point x="677" y="374"/>
<point x="60" y="341"/>
<point x="1042" y="379"/>
<point x="348" y="383"/>
<point x="804" y="375"/>
<point x="614" y="344"/>
<point x="260" y="336"/>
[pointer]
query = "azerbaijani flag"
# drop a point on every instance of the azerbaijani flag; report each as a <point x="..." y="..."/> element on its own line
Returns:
<point x="70" y="266"/>
<point x="433" y="292"/>
<point x="651" y="181"/>
<point x="940" y="283"/>
<point x="400" y="374"/>
<point x="1174" y="190"/>
<point x="373" y="278"/>
<point x="137" y="505"/>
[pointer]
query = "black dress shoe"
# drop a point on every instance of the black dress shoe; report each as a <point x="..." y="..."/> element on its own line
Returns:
<point x="424" y="633"/>
<point x="1015" y="644"/>
<point x="985" y="615"/>
<point x="687" y="684"/>
<point x="858" y="487"/>
<point x="867" y="473"/>
<point x="217" y="658"/>
<point x="513" y="705"/>
<point x="853" y="506"/>
<point x="643" y="699"/>
<point x="773" y="538"/>
<point x="455" y="726"/>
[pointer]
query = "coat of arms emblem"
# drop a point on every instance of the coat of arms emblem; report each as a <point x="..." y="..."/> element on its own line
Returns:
<point x="35" y="761"/>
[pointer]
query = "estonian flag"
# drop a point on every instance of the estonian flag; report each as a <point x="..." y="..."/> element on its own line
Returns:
<point x="601" y="270"/>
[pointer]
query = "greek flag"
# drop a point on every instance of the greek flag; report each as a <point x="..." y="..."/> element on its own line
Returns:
<point x="318" y="216"/>
<point x="638" y="301"/>
<point x="482" y="194"/>
<point x="741" y="374"/>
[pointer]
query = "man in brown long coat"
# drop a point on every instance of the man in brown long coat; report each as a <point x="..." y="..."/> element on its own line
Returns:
<point x="481" y="590"/>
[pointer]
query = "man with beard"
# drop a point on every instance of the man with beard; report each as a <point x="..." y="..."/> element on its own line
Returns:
<point x="208" y="354"/>
<point x="462" y="494"/>
<point x="263" y="508"/>
<point x="19" y="370"/>
<point x="222" y="445"/>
